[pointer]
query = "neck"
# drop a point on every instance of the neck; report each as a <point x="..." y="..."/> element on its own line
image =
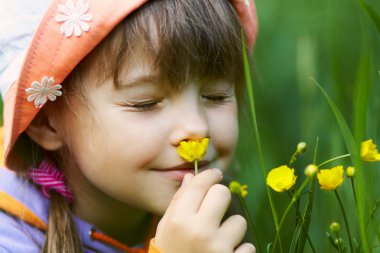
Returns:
<point x="124" y="223"/>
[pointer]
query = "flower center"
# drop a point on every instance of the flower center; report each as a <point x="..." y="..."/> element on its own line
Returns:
<point x="44" y="90"/>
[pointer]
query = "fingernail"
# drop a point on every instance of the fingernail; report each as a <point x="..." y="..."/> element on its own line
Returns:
<point x="219" y="172"/>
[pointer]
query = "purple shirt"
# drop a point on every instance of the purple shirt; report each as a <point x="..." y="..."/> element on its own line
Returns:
<point x="17" y="236"/>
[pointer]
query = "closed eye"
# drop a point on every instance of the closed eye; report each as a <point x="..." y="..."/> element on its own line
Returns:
<point x="143" y="106"/>
<point x="218" y="98"/>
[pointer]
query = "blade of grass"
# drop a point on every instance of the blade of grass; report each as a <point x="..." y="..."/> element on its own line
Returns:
<point x="361" y="97"/>
<point x="371" y="13"/>
<point x="353" y="149"/>
<point x="296" y="236"/>
<point x="248" y="80"/>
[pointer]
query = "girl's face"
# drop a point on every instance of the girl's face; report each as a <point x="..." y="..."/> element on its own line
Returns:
<point x="125" y="145"/>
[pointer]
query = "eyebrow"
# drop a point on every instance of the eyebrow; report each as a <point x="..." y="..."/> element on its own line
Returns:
<point x="137" y="81"/>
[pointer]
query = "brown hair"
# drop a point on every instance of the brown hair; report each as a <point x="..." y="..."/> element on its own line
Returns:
<point x="184" y="40"/>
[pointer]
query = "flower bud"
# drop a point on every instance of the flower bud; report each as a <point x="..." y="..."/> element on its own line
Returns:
<point x="239" y="189"/>
<point x="334" y="227"/>
<point x="311" y="170"/>
<point x="339" y="241"/>
<point x="301" y="147"/>
<point x="350" y="171"/>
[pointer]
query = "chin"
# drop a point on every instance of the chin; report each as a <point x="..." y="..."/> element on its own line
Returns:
<point x="159" y="205"/>
<point x="158" y="210"/>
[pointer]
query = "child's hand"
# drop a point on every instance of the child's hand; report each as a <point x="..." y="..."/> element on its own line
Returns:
<point x="192" y="222"/>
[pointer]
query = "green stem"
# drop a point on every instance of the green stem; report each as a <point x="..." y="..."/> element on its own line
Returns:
<point x="309" y="206"/>
<point x="251" y="223"/>
<point x="196" y="167"/>
<point x="255" y="127"/>
<point x="345" y="220"/>
<point x="354" y="191"/>
<point x="373" y="211"/>
<point x="339" y="244"/>
<point x="333" y="159"/>
<point x="300" y="220"/>
<point x="306" y="218"/>
<point x="293" y="159"/>
<point x="293" y="200"/>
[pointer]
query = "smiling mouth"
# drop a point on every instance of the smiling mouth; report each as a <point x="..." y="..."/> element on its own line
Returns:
<point x="177" y="173"/>
<point x="187" y="166"/>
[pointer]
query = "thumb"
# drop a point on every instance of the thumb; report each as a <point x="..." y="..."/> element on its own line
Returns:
<point x="186" y="179"/>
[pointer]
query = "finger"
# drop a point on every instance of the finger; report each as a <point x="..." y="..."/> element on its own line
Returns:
<point x="233" y="230"/>
<point x="195" y="191"/>
<point x="176" y="196"/>
<point x="173" y="202"/>
<point x="215" y="205"/>
<point x="246" y="248"/>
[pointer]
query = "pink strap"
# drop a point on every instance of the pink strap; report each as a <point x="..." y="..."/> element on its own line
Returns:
<point x="49" y="177"/>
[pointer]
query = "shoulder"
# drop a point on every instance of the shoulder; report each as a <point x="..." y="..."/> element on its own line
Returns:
<point x="15" y="235"/>
<point x="25" y="192"/>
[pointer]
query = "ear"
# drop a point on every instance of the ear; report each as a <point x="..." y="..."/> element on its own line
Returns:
<point x="41" y="132"/>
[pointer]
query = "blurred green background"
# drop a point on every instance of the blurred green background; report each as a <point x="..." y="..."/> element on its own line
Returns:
<point x="337" y="44"/>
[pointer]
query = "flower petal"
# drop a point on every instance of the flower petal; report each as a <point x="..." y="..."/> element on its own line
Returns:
<point x="81" y="7"/>
<point x="50" y="82"/>
<point x="63" y="9"/>
<point x="84" y="26"/>
<point x="86" y="17"/>
<point x="44" y="81"/>
<point x="69" y="29"/>
<point x="51" y="97"/>
<point x="32" y="97"/>
<point x="77" y="30"/>
<point x="55" y="92"/>
<point x="61" y="18"/>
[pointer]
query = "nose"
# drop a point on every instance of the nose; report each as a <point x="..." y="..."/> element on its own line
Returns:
<point x="190" y="123"/>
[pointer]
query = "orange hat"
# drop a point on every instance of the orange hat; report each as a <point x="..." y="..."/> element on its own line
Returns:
<point x="68" y="31"/>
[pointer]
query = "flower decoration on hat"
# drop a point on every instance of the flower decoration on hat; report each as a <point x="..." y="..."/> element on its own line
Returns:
<point x="74" y="18"/>
<point x="41" y="92"/>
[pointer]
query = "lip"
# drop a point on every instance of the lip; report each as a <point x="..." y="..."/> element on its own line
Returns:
<point x="178" y="172"/>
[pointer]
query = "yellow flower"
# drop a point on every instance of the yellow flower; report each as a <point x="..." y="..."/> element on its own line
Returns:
<point x="350" y="171"/>
<point x="369" y="152"/>
<point x="281" y="179"/>
<point x="192" y="150"/>
<point x="237" y="188"/>
<point x="330" y="179"/>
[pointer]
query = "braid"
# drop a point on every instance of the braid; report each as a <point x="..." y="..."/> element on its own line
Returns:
<point x="61" y="235"/>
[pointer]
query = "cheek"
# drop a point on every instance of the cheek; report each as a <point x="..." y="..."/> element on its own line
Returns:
<point x="132" y="140"/>
<point x="224" y="129"/>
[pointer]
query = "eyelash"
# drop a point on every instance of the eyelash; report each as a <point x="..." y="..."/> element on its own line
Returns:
<point x="150" y="105"/>
<point x="218" y="98"/>
<point x="143" y="107"/>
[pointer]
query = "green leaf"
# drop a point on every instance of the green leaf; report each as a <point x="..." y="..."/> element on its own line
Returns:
<point x="345" y="130"/>
<point x="372" y="13"/>
<point x="295" y="238"/>
<point x="353" y="149"/>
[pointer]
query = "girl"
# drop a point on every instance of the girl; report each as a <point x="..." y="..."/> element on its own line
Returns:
<point x="106" y="92"/>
